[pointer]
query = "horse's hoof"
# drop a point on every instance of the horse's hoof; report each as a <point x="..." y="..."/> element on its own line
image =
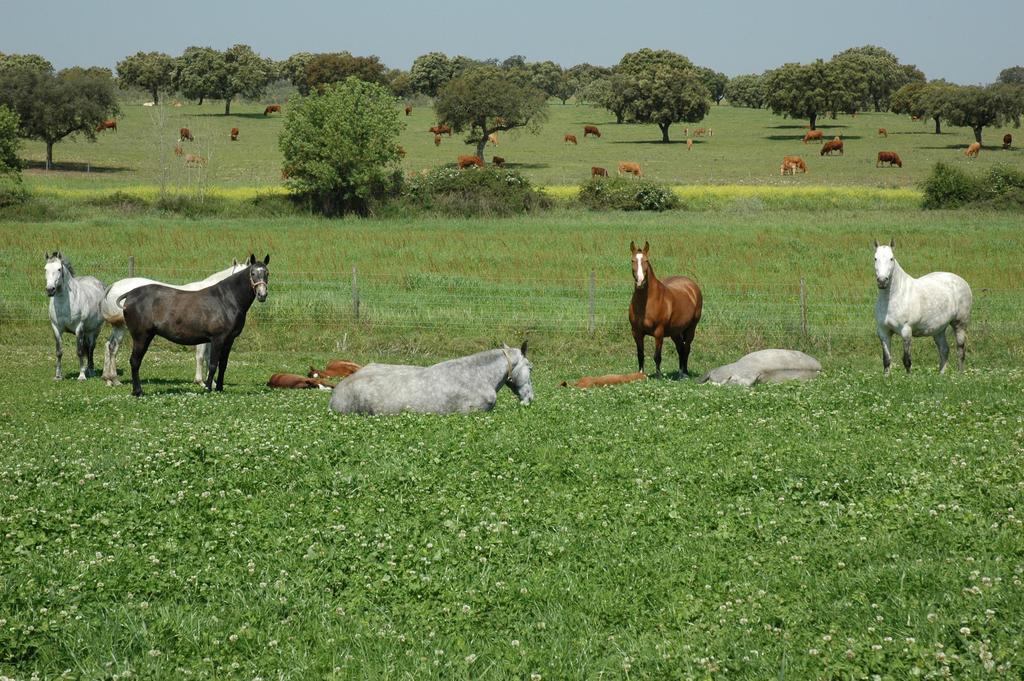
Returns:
<point x="81" y="377"/>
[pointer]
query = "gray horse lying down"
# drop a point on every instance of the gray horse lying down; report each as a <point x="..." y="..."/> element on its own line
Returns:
<point x="765" y="366"/>
<point x="457" y="385"/>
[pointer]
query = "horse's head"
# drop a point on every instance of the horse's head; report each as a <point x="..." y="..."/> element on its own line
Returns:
<point x="885" y="263"/>
<point x="259" y="276"/>
<point x="54" y="269"/>
<point x="639" y="263"/>
<point x="518" y="379"/>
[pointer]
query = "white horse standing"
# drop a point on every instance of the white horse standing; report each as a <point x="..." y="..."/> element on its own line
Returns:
<point x="919" y="307"/>
<point x="113" y="313"/>
<point x="74" y="308"/>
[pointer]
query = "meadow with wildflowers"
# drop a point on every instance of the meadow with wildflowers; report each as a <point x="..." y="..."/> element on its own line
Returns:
<point x="855" y="526"/>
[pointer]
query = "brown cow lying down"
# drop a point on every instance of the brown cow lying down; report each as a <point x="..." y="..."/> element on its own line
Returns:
<point x="337" y="368"/>
<point x="467" y="161"/>
<point x="890" y="157"/>
<point x="813" y="135"/>
<point x="498" y="161"/>
<point x="608" y="379"/>
<point x="296" y="381"/>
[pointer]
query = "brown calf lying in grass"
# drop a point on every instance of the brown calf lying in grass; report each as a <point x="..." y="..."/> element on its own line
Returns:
<point x="337" y="368"/>
<point x="608" y="379"/>
<point x="298" y="382"/>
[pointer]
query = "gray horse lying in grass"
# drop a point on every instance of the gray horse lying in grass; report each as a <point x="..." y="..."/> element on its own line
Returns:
<point x="765" y="366"/>
<point x="456" y="386"/>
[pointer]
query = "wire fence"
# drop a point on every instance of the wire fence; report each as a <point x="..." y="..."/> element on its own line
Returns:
<point x="307" y="305"/>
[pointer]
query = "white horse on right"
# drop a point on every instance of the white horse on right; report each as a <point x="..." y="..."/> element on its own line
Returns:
<point x="919" y="307"/>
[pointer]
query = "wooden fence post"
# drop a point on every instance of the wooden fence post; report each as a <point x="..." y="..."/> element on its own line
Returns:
<point x="131" y="265"/>
<point x="590" y="317"/>
<point x="803" y="308"/>
<point x="355" y="293"/>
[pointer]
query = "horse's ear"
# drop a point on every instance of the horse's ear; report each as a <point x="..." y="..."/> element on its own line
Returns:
<point x="523" y="348"/>
<point x="647" y="247"/>
<point x="876" y="243"/>
<point x="234" y="262"/>
<point x="266" y="260"/>
<point x="892" y="243"/>
<point x="632" y="247"/>
<point x="251" y="260"/>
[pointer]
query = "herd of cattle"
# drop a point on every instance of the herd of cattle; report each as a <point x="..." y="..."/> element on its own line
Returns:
<point x="790" y="164"/>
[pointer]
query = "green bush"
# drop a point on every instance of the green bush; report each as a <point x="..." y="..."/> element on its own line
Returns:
<point x="340" y="146"/>
<point x="1002" y="188"/>
<point x="483" y="192"/>
<point x="949" y="187"/>
<point x="12" y="190"/>
<point x="623" y="193"/>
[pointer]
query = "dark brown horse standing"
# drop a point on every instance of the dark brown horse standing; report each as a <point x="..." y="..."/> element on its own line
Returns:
<point x="662" y="308"/>
<point x="214" y="315"/>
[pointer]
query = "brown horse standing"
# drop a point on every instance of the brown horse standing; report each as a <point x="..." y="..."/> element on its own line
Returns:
<point x="662" y="308"/>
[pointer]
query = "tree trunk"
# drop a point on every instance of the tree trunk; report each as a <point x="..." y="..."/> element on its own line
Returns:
<point x="664" y="131"/>
<point x="201" y="100"/>
<point x="814" y="120"/>
<point x="938" y="125"/>
<point x="481" y="145"/>
<point x="977" y="133"/>
<point x="227" y="106"/>
<point x="156" y="96"/>
<point x="49" y="154"/>
<point x="619" y="115"/>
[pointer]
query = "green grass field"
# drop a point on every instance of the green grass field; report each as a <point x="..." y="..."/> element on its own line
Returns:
<point x="844" y="528"/>
<point x="747" y="148"/>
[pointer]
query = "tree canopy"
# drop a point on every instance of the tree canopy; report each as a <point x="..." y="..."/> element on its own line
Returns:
<point x="924" y="100"/>
<point x="53" y="106"/>
<point x="430" y="72"/>
<point x="1013" y="75"/>
<point x="714" y="81"/>
<point x="334" y="67"/>
<point x="151" y="71"/>
<point x="196" y="72"/>
<point x="662" y="87"/>
<point x="978" y="107"/>
<point x="746" y="90"/>
<point x="340" y="144"/>
<point x="240" y="71"/>
<point x="799" y="90"/>
<point x="9" y="141"/>
<point x="489" y="99"/>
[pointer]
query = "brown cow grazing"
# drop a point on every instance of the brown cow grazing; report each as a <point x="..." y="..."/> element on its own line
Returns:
<point x="498" y="161"/>
<point x="493" y="138"/>
<point x="790" y="164"/>
<point x="437" y="140"/>
<point x="596" y="171"/>
<point x="882" y="132"/>
<point x="689" y="144"/>
<point x="813" y="135"/>
<point x="178" y="151"/>
<point x="273" y="108"/>
<point x="408" y="109"/>
<point x="337" y="368"/>
<point x="631" y="168"/>
<point x="973" y="149"/>
<point x="467" y="161"/>
<point x="234" y="134"/>
<point x="1007" y="140"/>
<point x="890" y="157"/>
<point x="194" y="161"/>
<point x="607" y="379"/>
<point x="109" y="124"/>
<point x="298" y="382"/>
<point x="591" y="130"/>
<point x="441" y="130"/>
<point x="185" y="134"/>
<point x="569" y="138"/>
<point x="832" y="145"/>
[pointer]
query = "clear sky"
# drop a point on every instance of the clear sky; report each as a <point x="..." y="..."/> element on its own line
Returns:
<point x="962" y="41"/>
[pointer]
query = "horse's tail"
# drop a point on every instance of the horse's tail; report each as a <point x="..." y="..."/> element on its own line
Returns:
<point x="120" y="299"/>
